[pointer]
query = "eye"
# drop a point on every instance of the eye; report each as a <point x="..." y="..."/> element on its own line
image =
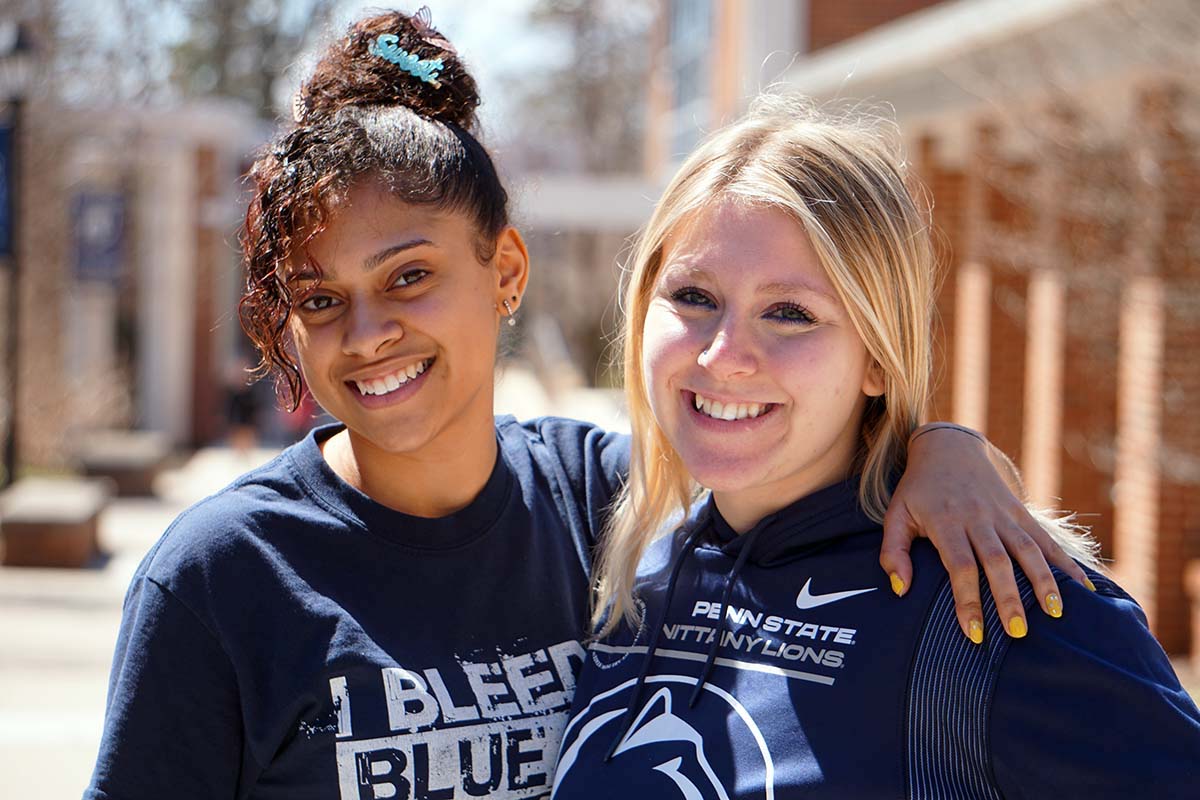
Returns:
<point x="409" y="277"/>
<point x="791" y="313"/>
<point x="317" y="302"/>
<point x="691" y="296"/>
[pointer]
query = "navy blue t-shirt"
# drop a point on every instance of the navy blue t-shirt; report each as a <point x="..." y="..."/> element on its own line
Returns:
<point x="823" y="684"/>
<point x="291" y="638"/>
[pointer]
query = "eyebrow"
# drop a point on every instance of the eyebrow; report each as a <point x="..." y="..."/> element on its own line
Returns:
<point x="791" y="288"/>
<point x="371" y="262"/>
<point x="774" y="288"/>
<point x="368" y="264"/>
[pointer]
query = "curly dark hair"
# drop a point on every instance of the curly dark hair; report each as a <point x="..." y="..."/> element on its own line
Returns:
<point x="360" y="115"/>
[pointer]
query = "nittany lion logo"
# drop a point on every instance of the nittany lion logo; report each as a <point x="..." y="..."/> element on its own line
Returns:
<point x="662" y="754"/>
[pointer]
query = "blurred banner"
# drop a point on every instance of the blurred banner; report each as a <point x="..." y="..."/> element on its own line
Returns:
<point x="99" y="226"/>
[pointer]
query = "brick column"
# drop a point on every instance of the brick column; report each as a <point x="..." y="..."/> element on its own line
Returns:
<point x="1041" y="434"/>
<point x="1139" y="374"/>
<point x="1007" y="224"/>
<point x="1094" y="242"/>
<point x="943" y="187"/>
<point x="972" y="295"/>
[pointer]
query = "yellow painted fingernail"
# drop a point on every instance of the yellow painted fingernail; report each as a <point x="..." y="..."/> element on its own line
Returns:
<point x="1016" y="627"/>
<point x="1088" y="583"/>
<point x="1054" y="605"/>
<point x="976" y="631"/>
<point x="897" y="585"/>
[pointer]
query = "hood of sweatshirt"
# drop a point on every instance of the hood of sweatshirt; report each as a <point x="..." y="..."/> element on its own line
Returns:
<point x="812" y="522"/>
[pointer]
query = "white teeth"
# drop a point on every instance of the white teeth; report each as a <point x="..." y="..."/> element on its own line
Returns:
<point x="728" y="412"/>
<point x="390" y="383"/>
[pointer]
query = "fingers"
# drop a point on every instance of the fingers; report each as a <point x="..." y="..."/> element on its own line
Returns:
<point x="1003" y="581"/>
<point x="1053" y="552"/>
<point x="959" y="561"/>
<point x="898" y="534"/>
<point x="1033" y="554"/>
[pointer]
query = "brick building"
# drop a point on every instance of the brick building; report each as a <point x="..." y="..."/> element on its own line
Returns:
<point x="140" y="337"/>
<point x="1059" y="141"/>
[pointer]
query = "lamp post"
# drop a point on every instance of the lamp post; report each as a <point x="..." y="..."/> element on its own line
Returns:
<point x="16" y="73"/>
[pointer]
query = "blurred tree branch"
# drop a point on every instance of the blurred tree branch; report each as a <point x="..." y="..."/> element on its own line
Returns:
<point x="585" y="113"/>
<point x="145" y="51"/>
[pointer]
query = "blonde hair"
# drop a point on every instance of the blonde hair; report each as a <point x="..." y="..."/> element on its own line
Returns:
<point x="842" y="178"/>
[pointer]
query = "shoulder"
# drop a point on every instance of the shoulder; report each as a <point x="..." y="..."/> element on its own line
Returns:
<point x="569" y="439"/>
<point x="1100" y="632"/>
<point x="1090" y="703"/>
<point x="226" y="532"/>
<point x="1106" y="625"/>
<point x="1039" y="716"/>
<point x="582" y="450"/>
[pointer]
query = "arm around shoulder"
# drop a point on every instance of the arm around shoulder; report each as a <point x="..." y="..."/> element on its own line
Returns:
<point x="1089" y="706"/>
<point x="594" y="461"/>
<point x="173" y="724"/>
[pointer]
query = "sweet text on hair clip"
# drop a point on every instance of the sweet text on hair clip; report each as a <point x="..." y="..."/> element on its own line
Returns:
<point x="386" y="47"/>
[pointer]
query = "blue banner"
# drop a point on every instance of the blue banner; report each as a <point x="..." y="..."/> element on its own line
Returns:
<point x="6" y="189"/>
<point x="99" y="221"/>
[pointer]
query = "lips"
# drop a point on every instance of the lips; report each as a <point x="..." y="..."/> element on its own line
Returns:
<point x="391" y="381"/>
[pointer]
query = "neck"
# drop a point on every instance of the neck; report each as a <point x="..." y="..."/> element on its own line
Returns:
<point x="432" y="482"/>
<point x="742" y="511"/>
<point x="744" y="507"/>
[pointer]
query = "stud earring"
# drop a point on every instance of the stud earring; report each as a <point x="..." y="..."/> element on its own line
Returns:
<point x="511" y="314"/>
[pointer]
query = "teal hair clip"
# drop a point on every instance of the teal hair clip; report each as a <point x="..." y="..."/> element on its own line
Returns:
<point x="387" y="48"/>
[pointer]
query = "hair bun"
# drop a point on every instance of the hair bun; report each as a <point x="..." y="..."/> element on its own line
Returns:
<point x="356" y="71"/>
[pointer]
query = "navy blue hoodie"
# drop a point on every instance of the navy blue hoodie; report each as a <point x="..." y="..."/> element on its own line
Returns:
<point x="779" y="664"/>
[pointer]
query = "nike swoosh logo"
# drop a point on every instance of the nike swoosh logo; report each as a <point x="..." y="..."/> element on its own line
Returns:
<point x="806" y="599"/>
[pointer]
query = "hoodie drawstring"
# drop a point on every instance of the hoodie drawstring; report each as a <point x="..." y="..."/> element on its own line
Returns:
<point x="730" y="580"/>
<point x="688" y="546"/>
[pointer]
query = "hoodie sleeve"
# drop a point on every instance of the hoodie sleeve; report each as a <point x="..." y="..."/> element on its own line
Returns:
<point x="1088" y="706"/>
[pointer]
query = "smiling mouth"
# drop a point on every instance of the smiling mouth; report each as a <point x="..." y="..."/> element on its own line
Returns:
<point x="386" y="384"/>
<point x="730" y="412"/>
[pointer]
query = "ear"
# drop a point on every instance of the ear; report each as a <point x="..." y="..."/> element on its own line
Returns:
<point x="873" y="382"/>
<point x="511" y="263"/>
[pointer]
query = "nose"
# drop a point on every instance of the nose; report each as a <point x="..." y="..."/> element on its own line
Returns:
<point x="370" y="326"/>
<point x="730" y="352"/>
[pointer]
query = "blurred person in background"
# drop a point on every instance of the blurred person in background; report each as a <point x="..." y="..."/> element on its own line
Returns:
<point x="788" y="272"/>
<point x="242" y="407"/>
<point x="394" y="606"/>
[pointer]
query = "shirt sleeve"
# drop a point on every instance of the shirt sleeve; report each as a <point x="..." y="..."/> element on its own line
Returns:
<point x="1088" y="706"/>
<point x="173" y="725"/>
<point x="595" y="461"/>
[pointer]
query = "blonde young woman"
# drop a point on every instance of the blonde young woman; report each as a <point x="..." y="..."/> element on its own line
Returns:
<point x="778" y="355"/>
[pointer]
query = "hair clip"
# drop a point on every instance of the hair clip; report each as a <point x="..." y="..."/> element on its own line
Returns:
<point x="387" y="48"/>
<point x="299" y="105"/>
<point x="423" y="22"/>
